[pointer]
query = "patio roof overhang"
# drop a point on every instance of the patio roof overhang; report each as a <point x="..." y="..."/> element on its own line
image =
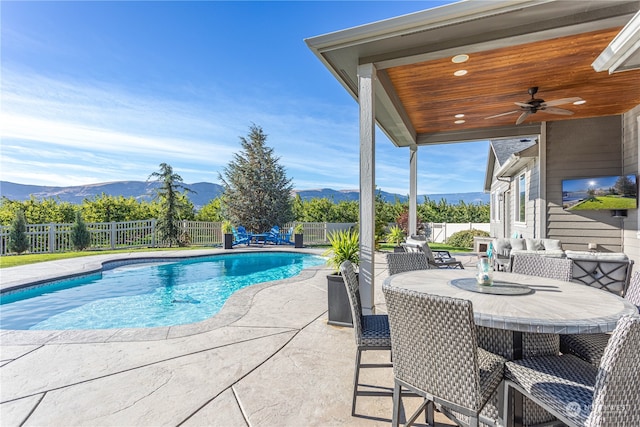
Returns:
<point x="512" y="46"/>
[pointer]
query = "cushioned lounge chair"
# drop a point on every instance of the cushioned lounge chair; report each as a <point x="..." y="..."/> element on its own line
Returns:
<point x="442" y="260"/>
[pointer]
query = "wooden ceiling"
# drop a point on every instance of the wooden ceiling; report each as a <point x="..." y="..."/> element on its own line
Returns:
<point x="495" y="79"/>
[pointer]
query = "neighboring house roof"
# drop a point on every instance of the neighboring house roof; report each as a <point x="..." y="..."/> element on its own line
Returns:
<point x="507" y="155"/>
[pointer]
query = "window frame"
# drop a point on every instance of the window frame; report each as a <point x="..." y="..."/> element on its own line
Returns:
<point x="520" y="205"/>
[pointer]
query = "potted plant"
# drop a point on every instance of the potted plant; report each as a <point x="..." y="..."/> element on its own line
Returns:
<point x="345" y="246"/>
<point x="396" y="235"/>
<point x="227" y="231"/>
<point x="297" y="235"/>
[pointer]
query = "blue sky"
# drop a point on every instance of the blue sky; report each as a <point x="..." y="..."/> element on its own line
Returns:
<point x="106" y="91"/>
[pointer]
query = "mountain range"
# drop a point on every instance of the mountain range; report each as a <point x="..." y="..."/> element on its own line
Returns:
<point x="203" y="192"/>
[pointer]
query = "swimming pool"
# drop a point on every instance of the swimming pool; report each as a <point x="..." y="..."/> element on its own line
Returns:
<point x="146" y="293"/>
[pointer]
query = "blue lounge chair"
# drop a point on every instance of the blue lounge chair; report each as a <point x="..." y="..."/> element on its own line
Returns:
<point x="273" y="236"/>
<point x="276" y="238"/>
<point x="241" y="236"/>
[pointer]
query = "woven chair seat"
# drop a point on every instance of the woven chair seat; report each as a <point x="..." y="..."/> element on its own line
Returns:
<point x="491" y="369"/>
<point x="560" y="383"/>
<point x="375" y="331"/>
<point x="588" y="347"/>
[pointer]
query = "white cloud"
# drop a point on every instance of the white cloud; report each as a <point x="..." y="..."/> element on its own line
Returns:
<point x="70" y="132"/>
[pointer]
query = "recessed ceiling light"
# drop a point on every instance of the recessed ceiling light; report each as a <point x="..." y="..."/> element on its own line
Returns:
<point x="582" y="101"/>
<point x="459" y="122"/>
<point x="459" y="116"/>
<point x="459" y="59"/>
<point x="460" y="73"/>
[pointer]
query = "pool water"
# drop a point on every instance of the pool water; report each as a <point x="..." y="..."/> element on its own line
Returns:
<point x="148" y="293"/>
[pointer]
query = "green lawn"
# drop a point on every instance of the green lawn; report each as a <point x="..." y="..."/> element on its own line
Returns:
<point x="15" y="260"/>
<point x="606" y="202"/>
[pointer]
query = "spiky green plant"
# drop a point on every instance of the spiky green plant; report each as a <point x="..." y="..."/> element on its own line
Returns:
<point x="345" y="246"/>
<point x="396" y="235"/>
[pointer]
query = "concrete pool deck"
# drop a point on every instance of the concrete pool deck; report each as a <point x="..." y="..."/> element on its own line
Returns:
<point x="267" y="359"/>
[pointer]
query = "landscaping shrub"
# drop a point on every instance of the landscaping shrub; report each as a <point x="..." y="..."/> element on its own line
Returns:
<point x="80" y="236"/>
<point x="464" y="239"/>
<point x="18" y="240"/>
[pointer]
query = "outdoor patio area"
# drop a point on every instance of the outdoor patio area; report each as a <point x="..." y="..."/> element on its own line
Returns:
<point x="269" y="358"/>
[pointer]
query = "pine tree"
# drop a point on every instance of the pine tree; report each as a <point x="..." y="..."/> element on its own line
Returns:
<point x="257" y="192"/>
<point x="171" y="201"/>
<point x="80" y="236"/>
<point x="18" y="241"/>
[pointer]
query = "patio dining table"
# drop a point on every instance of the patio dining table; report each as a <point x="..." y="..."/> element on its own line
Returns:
<point x="523" y="304"/>
<point x="529" y="303"/>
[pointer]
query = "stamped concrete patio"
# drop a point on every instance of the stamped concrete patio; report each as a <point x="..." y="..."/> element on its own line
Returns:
<point x="267" y="359"/>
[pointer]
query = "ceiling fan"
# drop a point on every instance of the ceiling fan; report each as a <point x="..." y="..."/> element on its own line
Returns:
<point x="536" y="104"/>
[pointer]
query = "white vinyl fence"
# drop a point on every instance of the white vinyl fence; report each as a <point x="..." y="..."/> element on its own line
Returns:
<point x="50" y="238"/>
<point x="439" y="232"/>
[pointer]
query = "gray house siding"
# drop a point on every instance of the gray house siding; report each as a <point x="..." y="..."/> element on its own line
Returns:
<point x="580" y="149"/>
<point x="507" y="186"/>
<point x="631" y="144"/>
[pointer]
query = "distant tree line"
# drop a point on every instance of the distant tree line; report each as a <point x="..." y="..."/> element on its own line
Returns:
<point x="256" y="195"/>
<point x="106" y="208"/>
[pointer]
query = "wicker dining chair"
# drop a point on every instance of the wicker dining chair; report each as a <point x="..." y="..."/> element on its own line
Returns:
<point x="436" y="356"/>
<point x="580" y="394"/>
<point x="590" y="347"/>
<point x="541" y="266"/>
<point x="500" y="341"/>
<point x="399" y="262"/>
<point x="371" y="332"/>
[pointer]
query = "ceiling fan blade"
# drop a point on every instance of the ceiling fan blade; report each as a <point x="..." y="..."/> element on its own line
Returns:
<point x="523" y="104"/>
<point x="502" y="114"/>
<point x="555" y="110"/>
<point x="522" y="117"/>
<point x="560" y="101"/>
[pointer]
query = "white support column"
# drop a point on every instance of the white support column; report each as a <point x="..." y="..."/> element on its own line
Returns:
<point x="366" y="97"/>
<point x="413" y="189"/>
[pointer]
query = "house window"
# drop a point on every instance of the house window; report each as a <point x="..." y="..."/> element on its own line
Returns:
<point x="521" y="199"/>
<point x="495" y="206"/>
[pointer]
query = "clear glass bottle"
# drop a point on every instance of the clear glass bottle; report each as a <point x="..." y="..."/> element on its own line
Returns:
<point x="485" y="272"/>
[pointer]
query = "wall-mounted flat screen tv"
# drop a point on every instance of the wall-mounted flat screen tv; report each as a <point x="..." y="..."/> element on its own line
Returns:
<point x="600" y="193"/>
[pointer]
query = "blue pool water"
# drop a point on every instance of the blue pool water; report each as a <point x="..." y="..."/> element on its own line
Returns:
<point x="147" y="293"/>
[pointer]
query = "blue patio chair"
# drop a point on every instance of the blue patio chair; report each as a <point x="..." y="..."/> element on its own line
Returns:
<point x="240" y="236"/>
<point x="276" y="238"/>
<point x="286" y="237"/>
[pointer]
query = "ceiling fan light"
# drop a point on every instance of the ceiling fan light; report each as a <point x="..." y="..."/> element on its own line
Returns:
<point x="459" y="116"/>
<point x="459" y="122"/>
<point x="582" y="101"/>
<point x="459" y="59"/>
<point x="460" y="73"/>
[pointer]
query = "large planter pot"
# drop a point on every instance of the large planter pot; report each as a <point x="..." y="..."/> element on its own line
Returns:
<point x="297" y="240"/>
<point x="338" y="302"/>
<point x="228" y="241"/>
